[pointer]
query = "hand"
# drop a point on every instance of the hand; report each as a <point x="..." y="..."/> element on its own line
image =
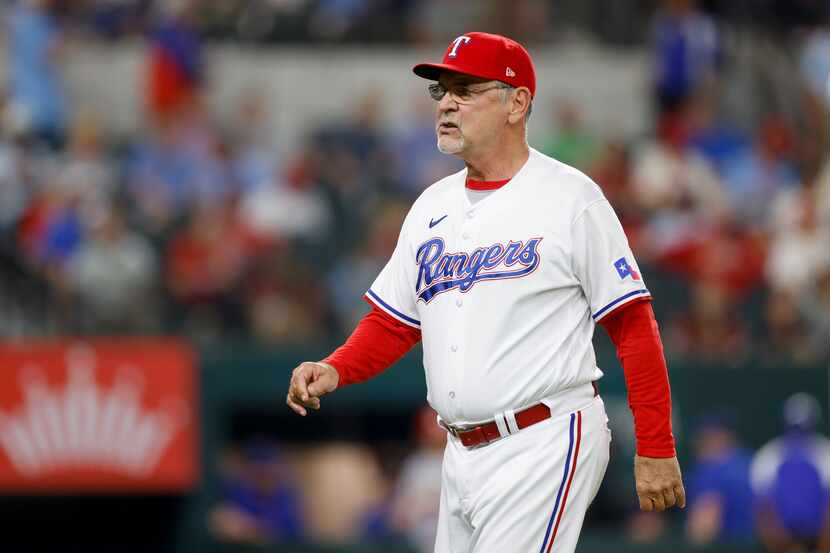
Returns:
<point x="309" y="381"/>
<point x="659" y="483"/>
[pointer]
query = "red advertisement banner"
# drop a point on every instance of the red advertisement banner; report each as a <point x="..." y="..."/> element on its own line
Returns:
<point x="98" y="416"/>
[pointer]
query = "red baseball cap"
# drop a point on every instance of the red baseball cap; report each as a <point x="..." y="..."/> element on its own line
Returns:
<point x="487" y="56"/>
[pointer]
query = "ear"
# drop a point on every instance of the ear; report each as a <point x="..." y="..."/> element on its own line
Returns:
<point x="519" y="105"/>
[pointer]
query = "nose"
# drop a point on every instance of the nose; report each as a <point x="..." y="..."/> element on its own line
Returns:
<point x="447" y="103"/>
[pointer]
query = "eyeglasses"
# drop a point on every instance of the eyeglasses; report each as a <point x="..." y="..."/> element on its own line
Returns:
<point x="461" y="93"/>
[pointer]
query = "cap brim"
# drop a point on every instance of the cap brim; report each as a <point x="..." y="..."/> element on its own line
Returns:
<point x="432" y="71"/>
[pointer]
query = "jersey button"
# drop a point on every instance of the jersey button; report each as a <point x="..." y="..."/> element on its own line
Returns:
<point x="452" y="395"/>
<point x="466" y="236"/>
<point x="470" y="214"/>
<point x="454" y="347"/>
<point x="458" y="302"/>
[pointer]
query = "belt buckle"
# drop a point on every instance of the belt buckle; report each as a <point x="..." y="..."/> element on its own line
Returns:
<point x="450" y="428"/>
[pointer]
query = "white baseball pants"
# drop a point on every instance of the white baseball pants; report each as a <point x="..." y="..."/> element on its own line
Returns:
<point x="527" y="492"/>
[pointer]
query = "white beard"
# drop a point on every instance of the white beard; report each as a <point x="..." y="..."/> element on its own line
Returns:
<point x="450" y="146"/>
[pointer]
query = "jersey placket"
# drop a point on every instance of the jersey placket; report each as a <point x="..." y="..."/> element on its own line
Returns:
<point x="465" y="239"/>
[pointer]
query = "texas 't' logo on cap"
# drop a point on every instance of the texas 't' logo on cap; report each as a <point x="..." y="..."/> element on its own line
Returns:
<point x="487" y="56"/>
<point x="456" y="43"/>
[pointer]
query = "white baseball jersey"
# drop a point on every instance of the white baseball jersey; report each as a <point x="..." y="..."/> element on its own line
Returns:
<point x="506" y="291"/>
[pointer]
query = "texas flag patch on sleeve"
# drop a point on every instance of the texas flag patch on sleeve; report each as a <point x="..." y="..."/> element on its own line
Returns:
<point x="626" y="270"/>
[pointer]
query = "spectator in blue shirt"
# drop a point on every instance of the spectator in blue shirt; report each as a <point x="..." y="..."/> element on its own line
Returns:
<point x="791" y="479"/>
<point x="260" y="505"/>
<point x="35" y="85"/>
<point x="686" y="52"/>
<point x="720" y="497"/>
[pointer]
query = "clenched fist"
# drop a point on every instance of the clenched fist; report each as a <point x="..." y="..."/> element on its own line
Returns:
<point x="309" y="381"/>
<point x="659" y="483"/>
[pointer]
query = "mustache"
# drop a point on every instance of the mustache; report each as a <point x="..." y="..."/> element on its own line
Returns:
<point x="447" y="122"/>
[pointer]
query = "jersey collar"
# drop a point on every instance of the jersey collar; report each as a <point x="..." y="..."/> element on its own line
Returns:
<point x="485" y="184"/>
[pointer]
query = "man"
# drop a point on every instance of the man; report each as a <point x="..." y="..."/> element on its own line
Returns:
<point x="36" y="87"/>
<point x="790" y="476"/>
<point x="719" y="493"/>
<point x="502" y="270"/>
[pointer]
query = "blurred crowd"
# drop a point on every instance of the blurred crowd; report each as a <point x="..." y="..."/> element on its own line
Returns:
<point x="350" y="492"/>
<point x="216" y="231"/>
<point x="777" y="496"/>
<point x="317" y="21"/>
<point x="411" y="22"/>
<point x="332" y="492"/>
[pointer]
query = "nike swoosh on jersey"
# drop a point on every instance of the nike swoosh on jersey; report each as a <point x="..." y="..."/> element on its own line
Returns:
<point x="432" y="223"/>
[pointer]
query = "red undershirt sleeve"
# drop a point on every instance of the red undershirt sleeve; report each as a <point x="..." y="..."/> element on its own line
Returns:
<point x="377" y="342"/>
<point x="635" y="333"/>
